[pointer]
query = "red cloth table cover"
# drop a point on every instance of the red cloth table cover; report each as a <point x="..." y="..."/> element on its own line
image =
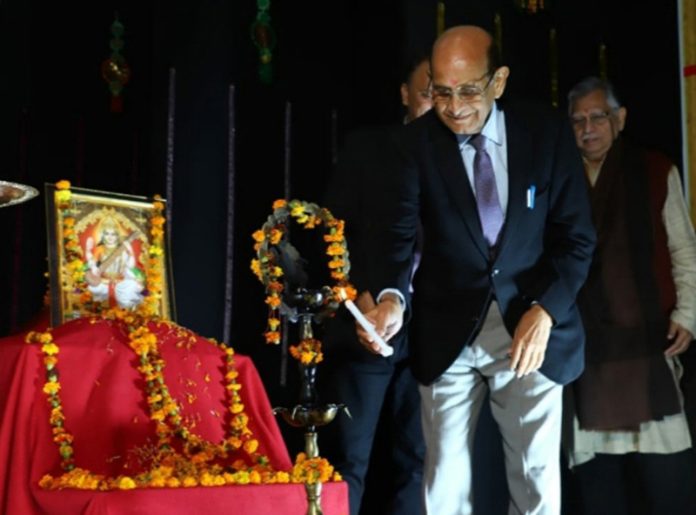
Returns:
<point x="105" y="408"/>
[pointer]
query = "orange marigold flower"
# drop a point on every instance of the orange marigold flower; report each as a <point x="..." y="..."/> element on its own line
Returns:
<point x="258" y="236"/>
<point x="275" y="236"/>
<point x="335" y="249"/>
<point x="279" y="203"/>
<point x="273" y="300"/>
<point x="63" y="185"/>
<point x="254" y="477"/>
<point x="275" y="286"/>
<point x="337" y="263"/>
<point x="51" y="388"/>
<point x="251" y="446"/>
<point x="272" y="337"/>
<point x="157" y="221"/>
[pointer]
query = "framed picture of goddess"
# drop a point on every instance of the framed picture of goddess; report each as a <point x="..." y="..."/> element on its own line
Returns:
<point x="106" y="251"/>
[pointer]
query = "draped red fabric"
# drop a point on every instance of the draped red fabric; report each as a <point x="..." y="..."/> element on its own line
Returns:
<point x="105" y="409"/>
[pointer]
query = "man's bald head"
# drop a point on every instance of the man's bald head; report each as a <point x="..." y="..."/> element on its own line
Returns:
<point x="466" y="79"/>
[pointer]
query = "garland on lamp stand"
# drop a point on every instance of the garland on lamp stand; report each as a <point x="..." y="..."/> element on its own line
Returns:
<point x="271" y="245"/>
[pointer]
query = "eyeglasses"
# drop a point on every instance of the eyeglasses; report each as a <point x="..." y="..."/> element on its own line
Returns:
<point x="594" y="119"/>
<point x="468" y="93"/>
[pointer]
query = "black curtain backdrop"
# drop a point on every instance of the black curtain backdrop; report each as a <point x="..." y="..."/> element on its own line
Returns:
<point x="338" y="64"/>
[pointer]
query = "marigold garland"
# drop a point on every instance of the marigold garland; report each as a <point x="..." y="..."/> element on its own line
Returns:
<point x="182" y="458"/>
<point x="273" y="234"/>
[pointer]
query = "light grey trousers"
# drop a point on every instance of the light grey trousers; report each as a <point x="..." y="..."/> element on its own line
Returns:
<point x="527" y="411"/>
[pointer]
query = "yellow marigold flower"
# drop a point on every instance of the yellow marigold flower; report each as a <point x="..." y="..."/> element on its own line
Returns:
<point x="190" y="481"/>
<point x="254" y="477"/>
<point x="242" y="477"/>
<point x="157" y="415"/>
<point x="51" y="388"/>
<point x="207" y="479"/>
<point x="126" y="483"/>
<point x="173" y="482"/>
<point x="302" y="219"/>
<point x="258" y="236"/>
<point x="63" y="196"/>
<point x="279" y="203"/>
<point x="339" y="276"/>
<point x="337" y="476"/>
<point x="155" y="250"/>
<point x="297" y="210"/>
<point x="256" y="267"/>
<point x="282" y="477"/>
<point x="273" y="323"/>
<point x="68" y="221"/>
<point x="158" y="206"/>
<point x="251" y="446"/>
<point x="232" y="374"/>
<point x="237" y="407"/>
<point x="45" y="337"/>
<point x="49" y="348"/>
<point x="63" y="185"/>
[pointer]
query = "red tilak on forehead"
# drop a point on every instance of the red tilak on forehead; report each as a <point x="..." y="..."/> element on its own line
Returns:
<point x="453" y="82"/>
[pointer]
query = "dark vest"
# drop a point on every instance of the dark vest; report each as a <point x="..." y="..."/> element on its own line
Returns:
<point x="628" y="296"/>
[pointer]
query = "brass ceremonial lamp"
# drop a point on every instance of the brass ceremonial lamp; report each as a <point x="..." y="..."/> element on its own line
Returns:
<point x="308" y="413"/>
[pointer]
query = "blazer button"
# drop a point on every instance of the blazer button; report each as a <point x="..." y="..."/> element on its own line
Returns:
<point x="495" y="272"/>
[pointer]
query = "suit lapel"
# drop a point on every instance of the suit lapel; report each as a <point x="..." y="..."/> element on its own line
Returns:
<point x="520" y="155"/>
<point x="449" y="164"/>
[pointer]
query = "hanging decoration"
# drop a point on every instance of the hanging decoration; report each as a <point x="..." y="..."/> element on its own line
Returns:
<point x="553" y="64"/>
<point x="532" y="6"/>
<point x="264" y="38"/>
<point x="115" y="70"/>
<point x="498" y="35"/>
<point x="440" y="18"/>
<point x="603" y="61"/>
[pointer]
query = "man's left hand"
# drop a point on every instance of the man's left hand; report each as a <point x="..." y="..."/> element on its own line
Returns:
<point x="682" y="339"/>
<point x="530" y="340"/>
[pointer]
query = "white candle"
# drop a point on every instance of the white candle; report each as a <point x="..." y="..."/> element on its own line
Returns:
<point x="384" y="348"/>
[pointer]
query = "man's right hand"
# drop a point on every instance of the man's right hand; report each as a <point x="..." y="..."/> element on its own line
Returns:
<point x="387" y="317"/>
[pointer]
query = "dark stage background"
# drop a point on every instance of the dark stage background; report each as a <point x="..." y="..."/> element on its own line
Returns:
<point x="337" y="63"/>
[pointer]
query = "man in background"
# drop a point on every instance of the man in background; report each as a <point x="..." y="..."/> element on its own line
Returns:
<point x="380" y="393"/>
<point x="630" y="444"/>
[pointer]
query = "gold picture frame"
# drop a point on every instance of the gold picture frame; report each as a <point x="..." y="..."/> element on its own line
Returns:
<point x="106" y="250"/>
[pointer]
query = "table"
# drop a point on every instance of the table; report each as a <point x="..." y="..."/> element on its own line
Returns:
<point x="105" y="409"/>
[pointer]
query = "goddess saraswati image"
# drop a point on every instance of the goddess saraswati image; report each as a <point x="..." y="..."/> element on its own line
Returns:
<point x="112" y="245"/>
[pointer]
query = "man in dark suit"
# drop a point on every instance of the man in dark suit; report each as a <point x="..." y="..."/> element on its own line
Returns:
<point x="507" y="243"/>
<point x="381" y="393"/>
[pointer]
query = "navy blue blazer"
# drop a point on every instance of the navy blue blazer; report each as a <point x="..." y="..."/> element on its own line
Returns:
<point x="543" y="254"/>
